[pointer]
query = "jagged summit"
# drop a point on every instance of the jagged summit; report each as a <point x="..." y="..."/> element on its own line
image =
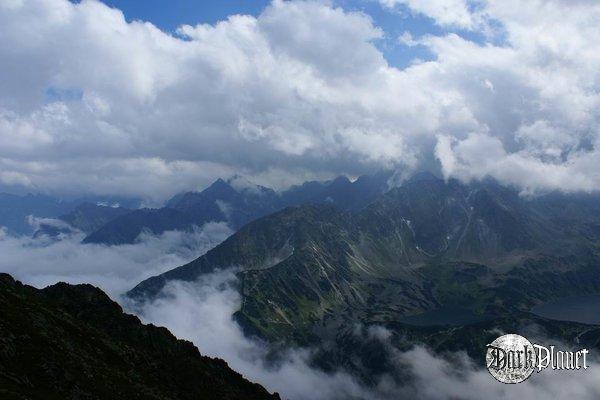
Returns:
<point x="236" y="202"/>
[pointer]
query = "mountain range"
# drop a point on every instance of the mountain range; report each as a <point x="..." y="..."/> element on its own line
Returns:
<point x="15" y="209"/>
<point x="236" y="205"/>
<point x="235" y="202"/>
<point x="428" y="261"/>
<point x="424" y="255"/>
<point x="82" y="213"/>
<point x="86" y="218"/>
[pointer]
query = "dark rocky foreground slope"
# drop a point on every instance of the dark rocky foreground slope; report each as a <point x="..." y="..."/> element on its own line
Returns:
<point x="73" y="342"/>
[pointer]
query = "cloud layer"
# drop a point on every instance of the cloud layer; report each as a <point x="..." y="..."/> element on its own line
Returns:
<point x="115" y="269"/>
<point x="92" y="103"/>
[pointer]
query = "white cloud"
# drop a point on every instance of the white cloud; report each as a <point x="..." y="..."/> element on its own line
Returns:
<point x="444" y="12"/>
<point x="115" y="269"/>
<point x="300" y="91"/>
<point x="480" y="155"/>
<point x="408" y="40"/>
<point x="436" y="378"/>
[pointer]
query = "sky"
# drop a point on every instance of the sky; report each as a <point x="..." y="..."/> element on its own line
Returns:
<point x="152" y="98"/>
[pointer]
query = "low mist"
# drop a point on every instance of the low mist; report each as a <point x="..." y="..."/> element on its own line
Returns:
<point x="202" y="313"/>
<point x="115" y="269"/>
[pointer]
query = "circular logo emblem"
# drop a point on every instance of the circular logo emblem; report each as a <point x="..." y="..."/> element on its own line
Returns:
<point x="510" y="358"/>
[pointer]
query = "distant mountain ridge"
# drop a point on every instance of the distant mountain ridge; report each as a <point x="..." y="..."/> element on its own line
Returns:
<point x="118" y="221"/>
<point x="86" y="218"/>
<point x="224" y="201"/>
<point x="15" y="209"/>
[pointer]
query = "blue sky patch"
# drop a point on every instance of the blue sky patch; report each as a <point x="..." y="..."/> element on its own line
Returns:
<point x="53" y="94"/>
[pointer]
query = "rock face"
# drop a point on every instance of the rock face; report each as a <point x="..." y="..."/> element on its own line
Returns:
<point x="73" y="342"/>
